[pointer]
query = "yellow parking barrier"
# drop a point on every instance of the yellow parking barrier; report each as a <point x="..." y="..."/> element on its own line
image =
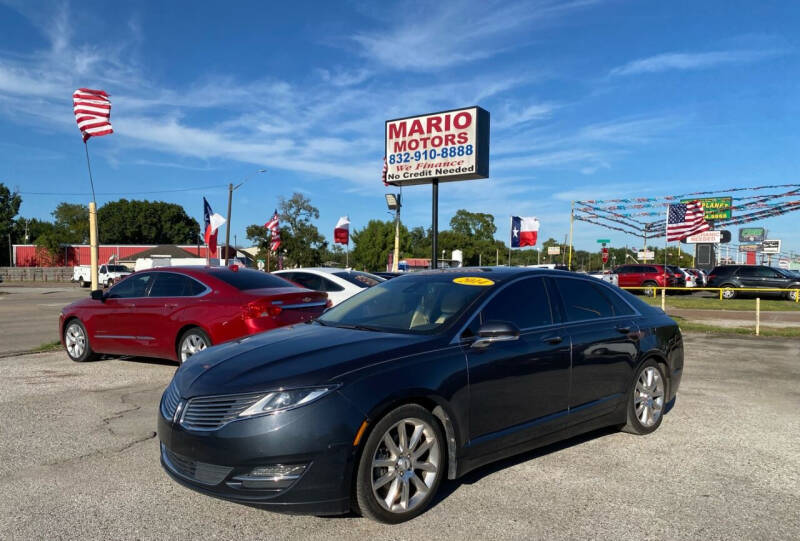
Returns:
<point x="758" y="315"/>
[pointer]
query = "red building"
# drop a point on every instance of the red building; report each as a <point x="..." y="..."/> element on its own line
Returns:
<point x="30" y="255"/>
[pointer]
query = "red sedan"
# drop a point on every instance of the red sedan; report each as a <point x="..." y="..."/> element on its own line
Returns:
<point x="174" y="312"/>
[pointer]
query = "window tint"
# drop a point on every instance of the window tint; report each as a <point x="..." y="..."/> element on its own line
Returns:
<point x="244" y="279"/>
<point x="626" y="269"/>
<point x="118" y="268"/>
<point x="523" y="303"/>
<point x="168" y="284"/>
<point x="584" y="300"/>
<point x="766" y="272"/>
<point x="308" y="280"/>
<point x="133" y="286"/>
<point x="328" y="285"/>
<point x="361" y="279"/>
<point x="748" y="272"/>
<point x="651" y="270"/>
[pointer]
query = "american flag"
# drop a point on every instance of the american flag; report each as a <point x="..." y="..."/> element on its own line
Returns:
<point x="684" y="219"/>
<point x="275" y="232"/>
<point x="383" y="172"/>
<point x="92" y="110"/>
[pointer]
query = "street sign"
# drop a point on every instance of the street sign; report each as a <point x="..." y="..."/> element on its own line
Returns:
<point x="783" y="263"/>
<point x="706" y="236"/>
<point x="553" y="250"/>
<point x="752" y="234"/>
<point x="645" y="256"/>
<point x="605" y="254"/>
<point x="771" y="246"/>
<point x="603" y="241"/>
<point x="445" y="146"/>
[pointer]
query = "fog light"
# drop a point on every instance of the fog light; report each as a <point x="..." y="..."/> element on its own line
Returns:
<point x="278" y="470"/>
<point x="274" y="477"/>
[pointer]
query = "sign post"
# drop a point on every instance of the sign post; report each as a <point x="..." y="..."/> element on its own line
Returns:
<point x="437" y="147"/>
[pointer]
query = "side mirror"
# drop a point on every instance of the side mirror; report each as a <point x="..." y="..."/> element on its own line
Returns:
<point x="495" y="331"/>
<point x="97" y="295"/>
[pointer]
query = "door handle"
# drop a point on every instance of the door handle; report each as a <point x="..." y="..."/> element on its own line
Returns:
<point x="623" y="330"/>
<point x="553" y="340"/>
<point x="171" y="305"/>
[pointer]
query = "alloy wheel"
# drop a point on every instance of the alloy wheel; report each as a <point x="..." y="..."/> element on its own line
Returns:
<point x="648" y="396"/>
<point x="728" y="294"/>
<point x="75" y="340"/>
<point x="405" y="465"/>
<point x="192" y="343"/>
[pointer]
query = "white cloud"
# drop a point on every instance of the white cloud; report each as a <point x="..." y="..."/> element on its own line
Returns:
<point x="691" y="61"/>
<point x="449" y="33"/>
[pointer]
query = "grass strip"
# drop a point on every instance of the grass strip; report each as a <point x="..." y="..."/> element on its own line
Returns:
<point x="782" y="332"/>
<point x="47" y="346"/>
<point x="713" y="303"/>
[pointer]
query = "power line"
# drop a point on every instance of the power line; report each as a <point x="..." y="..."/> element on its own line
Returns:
<point x="221" y="186"/>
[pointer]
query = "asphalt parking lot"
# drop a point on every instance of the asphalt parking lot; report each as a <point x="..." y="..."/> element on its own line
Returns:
<point x="79" y="460"/>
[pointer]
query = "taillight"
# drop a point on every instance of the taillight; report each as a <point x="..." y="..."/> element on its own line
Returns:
<point x="329" y="303"/>
<point x="257" y="309"/>
<point x="711" y="276"/>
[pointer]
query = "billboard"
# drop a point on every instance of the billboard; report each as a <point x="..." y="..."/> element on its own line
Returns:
<point x="450" y="145"/>
<point x="750" y="247"/>
<point x="553" y="250"/>
<point x="705" y="237"/>
<point x="715" y="208"/>
<point x="771" y="246"/>
<point x="752" y="234"/>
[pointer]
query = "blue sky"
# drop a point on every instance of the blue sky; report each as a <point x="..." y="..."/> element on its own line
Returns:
<point x="589" y="99"/>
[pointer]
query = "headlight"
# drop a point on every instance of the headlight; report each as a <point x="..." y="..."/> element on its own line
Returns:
<point x="283" y="400"/>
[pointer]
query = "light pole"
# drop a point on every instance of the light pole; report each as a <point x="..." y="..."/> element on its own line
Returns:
<point x="394" y="202"/>
<point x="231" y="188"/>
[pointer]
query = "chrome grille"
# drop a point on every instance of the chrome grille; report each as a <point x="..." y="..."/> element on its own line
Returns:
<point x="211" y="412"/>
<point x="202" y="472"/>
<point x="169" y="402"/>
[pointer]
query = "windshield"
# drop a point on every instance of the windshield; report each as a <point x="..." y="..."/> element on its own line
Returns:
<point x="118" y="268"/>
<point x="423" y="303"/>
<point x="361" y="279"/>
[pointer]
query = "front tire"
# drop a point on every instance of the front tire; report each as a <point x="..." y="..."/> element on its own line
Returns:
<point x="76" y="342"/>
<point x="646" y="400"/>
<point x="727" y="292"/>
<point x="192" y="341"/>
<point x="401" y="466"/>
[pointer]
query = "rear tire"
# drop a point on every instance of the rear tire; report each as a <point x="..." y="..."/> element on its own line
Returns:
<point x="192" y="341"/>
<point x="76" y="342"/>
<point x="649" y="288"/>
<point x="728" y="292"/>
<point x="646" y="399"/>
<point x="110" y="282"/>
<point x="82" y="283"/>
<point x="400" y="472"/>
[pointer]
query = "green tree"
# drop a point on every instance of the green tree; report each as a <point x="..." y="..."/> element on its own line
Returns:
<point x="145" y="222"/>
<point x="374" y="242"/>
<point x="9" y="207"/>
<point x="477" y="226"/>
<point x="74" y="219"/>
<point x="304" y="245"/>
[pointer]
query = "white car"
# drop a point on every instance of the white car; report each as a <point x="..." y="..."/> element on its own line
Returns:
<point x="606" y="276"/>
<point x="339" y="284"/>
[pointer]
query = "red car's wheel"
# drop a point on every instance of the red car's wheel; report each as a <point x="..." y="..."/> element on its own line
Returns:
<point x="76" y="342"/>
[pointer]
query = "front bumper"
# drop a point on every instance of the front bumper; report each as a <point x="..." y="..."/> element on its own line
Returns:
<point x="319" y="436"/>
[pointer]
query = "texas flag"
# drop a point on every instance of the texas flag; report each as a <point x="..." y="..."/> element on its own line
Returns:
<point x="341" y="233"/>
<point x="213" y="222"/>
<point x="524" y="230"/>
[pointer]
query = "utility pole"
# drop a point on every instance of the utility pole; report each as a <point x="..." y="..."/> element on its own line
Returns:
<point x="231" y="189"/>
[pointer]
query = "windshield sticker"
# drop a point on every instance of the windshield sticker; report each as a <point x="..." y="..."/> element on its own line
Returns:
<point x="473" y="281"/>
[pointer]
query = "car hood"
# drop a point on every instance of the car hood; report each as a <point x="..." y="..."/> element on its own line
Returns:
<point x="294" y="356"/>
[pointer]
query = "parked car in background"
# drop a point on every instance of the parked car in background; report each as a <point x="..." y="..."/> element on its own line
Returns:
<point x="606" y="276"/>
<point x="413" y="381"/>
<point x="645" y="277"/>
<point x="687" y="278"/>
<point x="339" y="284"/>
<point x="733" y="277"/>
<point x="386" y="275"/>
<point x="174" y="312"/>
<point x="107" y="275"/>
<point x="701" y="278"/>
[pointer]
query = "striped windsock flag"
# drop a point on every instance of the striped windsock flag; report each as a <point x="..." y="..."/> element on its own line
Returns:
<point x="92" y="112"/>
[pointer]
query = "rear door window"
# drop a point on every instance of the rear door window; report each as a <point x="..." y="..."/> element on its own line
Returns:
<point x="170" y="284"/>
<point x="584" y="300"/>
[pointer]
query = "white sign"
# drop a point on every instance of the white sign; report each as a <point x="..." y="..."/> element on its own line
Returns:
<point x="553" y="250"/>
<point x="451" y="145"/>
<point x="771" y="246"/>
<point x="783" y="263"/>
<point x="705" y="237"/>
<point x="644" y="256"/>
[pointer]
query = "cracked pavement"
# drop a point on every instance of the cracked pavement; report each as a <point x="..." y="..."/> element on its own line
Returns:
<point x="79" y="460"/>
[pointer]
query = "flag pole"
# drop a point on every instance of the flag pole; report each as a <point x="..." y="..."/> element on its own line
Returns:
<point x="571" y="226"/>
<point x="92" y="222"/>
<point x="511" y="241"/>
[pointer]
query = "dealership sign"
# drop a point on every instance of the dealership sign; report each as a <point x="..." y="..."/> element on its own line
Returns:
<point x="771" y="246"/>
<point x="553" y="250"/>
<point x="447" y="146"/>
<point x="648" y="255"/>
<point x="752" y="234"/>
<point x="715" y="208"/>
<point x="750" y="247"/>
<point x="713" y="237"/>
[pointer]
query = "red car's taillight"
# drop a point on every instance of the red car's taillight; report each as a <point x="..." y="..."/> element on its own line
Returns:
<point x="329" y="303"/>
<point x="257" y="309"/>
